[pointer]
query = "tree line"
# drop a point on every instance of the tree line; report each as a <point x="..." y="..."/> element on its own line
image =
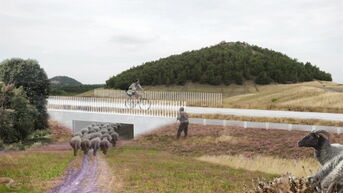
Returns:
<point x="225" y="63"/>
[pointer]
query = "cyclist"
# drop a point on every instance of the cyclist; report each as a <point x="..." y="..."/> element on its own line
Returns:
<point x="132" y="90"/>
<point x="183" y="118"/>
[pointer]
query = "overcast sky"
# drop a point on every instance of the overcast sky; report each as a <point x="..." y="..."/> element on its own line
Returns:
<point x="92" y="40"/>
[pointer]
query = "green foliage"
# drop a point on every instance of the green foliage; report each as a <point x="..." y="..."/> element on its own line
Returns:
<point x="224" y="63"/>
<point x="263" y="78"/>
<point x="62" y="81"/>
<point x="16" y="114"/>
<point x="29" y="75"/>
<point x="73" y="90"/>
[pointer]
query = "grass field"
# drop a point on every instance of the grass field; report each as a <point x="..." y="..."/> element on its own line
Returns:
<point x="33" y="171"/>
<point x="316" y="96"/>
<point x="211" y="159"/>
<point x="149" y="170"/>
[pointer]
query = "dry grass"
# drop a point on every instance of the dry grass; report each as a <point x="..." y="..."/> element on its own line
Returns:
<point x="267" y="164"/>
<point x="268" y="119"/>
<point x="315" y="96"/>
<point x="151" y="171"/>
<point x="283" y="184"/>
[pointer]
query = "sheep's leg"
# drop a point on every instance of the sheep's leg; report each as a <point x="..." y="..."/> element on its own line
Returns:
<point x="94" y="152"/>
<point x="75" y="151"/>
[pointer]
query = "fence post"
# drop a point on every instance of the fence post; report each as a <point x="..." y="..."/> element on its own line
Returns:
<point x="290" y="127"/>
<point x="245" y="124"/>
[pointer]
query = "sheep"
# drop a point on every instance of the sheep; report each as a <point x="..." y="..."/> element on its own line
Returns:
<point x="320" y="141"/>
<point x="114" y="135"/>
<point x="106" y="135"/>
<point x="77" y="134"/>
<point x="105" y="145"/>
<point x="94" y="135"/>
<point x="85" y="145"/>
<point x="75" y="143"/>
<point x="330" y="176"/>
<point x="84" y="131"/>
<point x="95" y="144"/>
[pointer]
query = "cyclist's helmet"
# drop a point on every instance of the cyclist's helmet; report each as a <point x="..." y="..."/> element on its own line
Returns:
<point x="182" y="109"/>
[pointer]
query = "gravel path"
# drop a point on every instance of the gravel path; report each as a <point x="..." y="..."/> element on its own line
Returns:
<point x="92" y="177"/>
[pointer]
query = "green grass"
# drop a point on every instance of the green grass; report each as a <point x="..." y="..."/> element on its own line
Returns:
<point x="34" y="172"/>
<point x="147" y="170"/>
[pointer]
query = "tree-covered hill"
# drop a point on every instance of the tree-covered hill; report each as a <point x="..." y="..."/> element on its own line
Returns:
<point x="224" y="63"/>
<point x="61" y="81"/>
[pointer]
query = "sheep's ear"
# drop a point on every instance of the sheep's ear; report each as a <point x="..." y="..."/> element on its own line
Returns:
<point x="324" y="134"/>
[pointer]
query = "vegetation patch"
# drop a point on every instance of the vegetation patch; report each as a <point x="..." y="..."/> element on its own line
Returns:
<point x="267" y="164"/>
<point x="205" y="140"/>
<point x="148" y="170"/>
<point x="33" y="171"/>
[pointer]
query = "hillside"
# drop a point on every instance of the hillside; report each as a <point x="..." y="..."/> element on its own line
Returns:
<point x="225" y="63"/>
<point x="61" y="81"/>
<point x="315" y="96"/>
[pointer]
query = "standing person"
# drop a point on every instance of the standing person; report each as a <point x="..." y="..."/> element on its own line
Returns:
<point x="183" y="118"/>
<point x="132" y="90"/>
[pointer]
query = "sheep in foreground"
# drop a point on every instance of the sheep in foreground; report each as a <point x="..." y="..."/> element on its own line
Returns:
<point x="320" y="141"/>
<point x="329" y="178"/>
<point x="95" y="144"/>
<point x="75" y="143"/>
<point x="85" y="145"/>
<point x="105" y="145"/>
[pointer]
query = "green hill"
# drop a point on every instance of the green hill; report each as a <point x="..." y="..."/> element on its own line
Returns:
<point x="224" y="63"/>
<point x="61" y="81"/>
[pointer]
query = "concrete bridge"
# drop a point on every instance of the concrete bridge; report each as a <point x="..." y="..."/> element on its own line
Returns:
<point x="77" y="112"/>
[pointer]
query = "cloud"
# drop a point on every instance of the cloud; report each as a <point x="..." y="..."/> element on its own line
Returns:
<point x="114" y="35"/>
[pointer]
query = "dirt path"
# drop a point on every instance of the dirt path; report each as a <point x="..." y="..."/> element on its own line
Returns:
<point x="92" y="177"/>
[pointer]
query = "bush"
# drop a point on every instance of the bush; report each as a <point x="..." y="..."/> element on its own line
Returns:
<point x="16" y="115"/>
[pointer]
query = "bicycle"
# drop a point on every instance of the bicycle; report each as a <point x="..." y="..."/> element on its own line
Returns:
<point x="142" y="102"/>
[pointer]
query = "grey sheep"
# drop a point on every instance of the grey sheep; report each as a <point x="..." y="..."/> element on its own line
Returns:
<point x="105" y="145"/>
<point x="77" y="134"/>
<point x="84" y="131"/>
<point x="95" y="144"/>
<point x="85" y="145"/>
<point x="329" y="178"/>
<point x="320" y="141"/>
<point x="94" y="135"/>
<point x="75" y="143"/>
<point x="107" y="136"/>
<point x="115" y="137"/>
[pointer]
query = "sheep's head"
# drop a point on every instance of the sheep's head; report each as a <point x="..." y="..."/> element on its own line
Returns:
<point x="314" y="139"/>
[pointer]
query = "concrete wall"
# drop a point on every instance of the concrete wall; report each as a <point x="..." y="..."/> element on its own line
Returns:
<point x="142" y="124"/>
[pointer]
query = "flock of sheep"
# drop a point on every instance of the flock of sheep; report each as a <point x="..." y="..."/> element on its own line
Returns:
<point x="95" y="136"/>
<point x="329" y="178"/>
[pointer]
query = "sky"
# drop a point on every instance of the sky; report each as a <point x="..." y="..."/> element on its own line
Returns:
<point x="92" y="40"/>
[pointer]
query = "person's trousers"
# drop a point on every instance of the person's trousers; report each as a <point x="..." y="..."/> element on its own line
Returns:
<point x="183" y="127"/>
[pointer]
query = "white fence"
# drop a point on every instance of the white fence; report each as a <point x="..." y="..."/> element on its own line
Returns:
<point x="203" y="99"/>
<point x="265" y="125"/>
<point x="158" y="108"/>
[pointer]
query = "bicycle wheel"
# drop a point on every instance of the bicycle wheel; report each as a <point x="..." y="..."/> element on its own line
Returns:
<point x="144" y="104"/>
<point x="130" y="103"/>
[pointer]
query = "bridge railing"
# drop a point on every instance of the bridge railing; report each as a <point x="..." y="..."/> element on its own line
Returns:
<point x="204" y="99"/>
<point x="158" y="108"/>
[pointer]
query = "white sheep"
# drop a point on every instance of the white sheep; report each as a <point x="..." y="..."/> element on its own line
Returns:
<point x="75" y="143"/>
